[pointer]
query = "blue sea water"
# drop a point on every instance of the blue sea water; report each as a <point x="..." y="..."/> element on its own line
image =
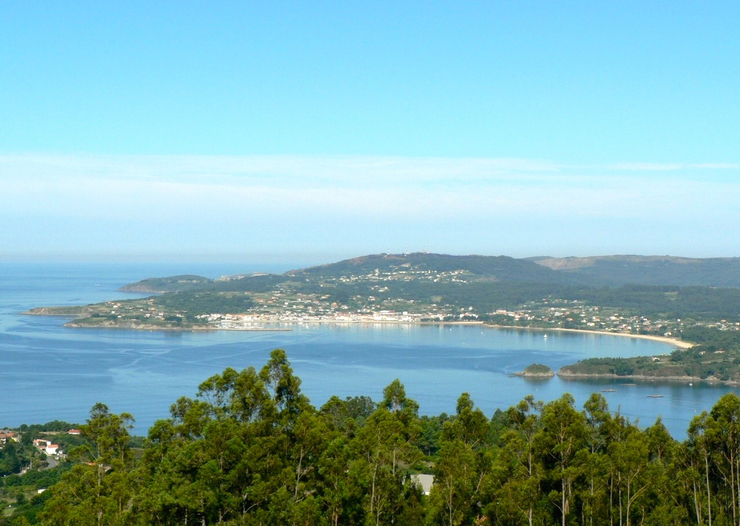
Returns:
<point x="51" y="372"/>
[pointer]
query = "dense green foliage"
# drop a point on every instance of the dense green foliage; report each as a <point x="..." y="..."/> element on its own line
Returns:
<point x="250" y="449"/>
<point x="716" y="357"/>
<point x="612" y="271"/>
<point x="13" y="456"/>
<point x="23" y="492"/>
<point x="167" y="284"/>
<point x="499" y="268"/>
<point x="697" y="303"/>
<point x="59" y="426"/>
<point x="434" y="287"/>
<point x="196" y="303"/>
<point x="538" y="369"/>
<point x="484" y="283"/>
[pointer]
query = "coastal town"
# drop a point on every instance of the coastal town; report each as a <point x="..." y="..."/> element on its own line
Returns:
<point x="415" y="289"/>
<point x="402" y="292"/>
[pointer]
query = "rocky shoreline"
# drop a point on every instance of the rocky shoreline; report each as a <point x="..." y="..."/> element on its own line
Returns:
<point x="567" y="375"/>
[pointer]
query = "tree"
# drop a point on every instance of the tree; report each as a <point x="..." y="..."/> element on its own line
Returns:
<point x="631" y="472"/>
<point x="384" y="449"/>
<point x="698" y="446"/>
<point x="99" y="491"/>
<point x="458" y="473"/>
<point x="561" y="437"/>
<point x="722" y="434"/>
<point x="523" y="485"/>
<point x="284" y="386"/>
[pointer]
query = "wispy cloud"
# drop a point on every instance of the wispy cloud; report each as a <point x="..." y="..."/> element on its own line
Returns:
<point x="362" y="204"/>
<point x="658" y="167"/>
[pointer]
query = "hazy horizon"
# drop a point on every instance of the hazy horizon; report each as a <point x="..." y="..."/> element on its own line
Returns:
<point x="306" y="133"/>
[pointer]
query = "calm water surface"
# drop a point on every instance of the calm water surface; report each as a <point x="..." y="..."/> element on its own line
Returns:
<point x="49" y="372"/>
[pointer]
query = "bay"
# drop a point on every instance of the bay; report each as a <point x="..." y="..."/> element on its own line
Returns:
<point x="51" y="372"/>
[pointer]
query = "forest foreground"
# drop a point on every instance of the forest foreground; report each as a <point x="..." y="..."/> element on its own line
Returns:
<point x="250" y="449"/>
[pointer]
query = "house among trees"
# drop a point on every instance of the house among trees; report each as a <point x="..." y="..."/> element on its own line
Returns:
<point x="425" y="481"/>
<point x="45" y="446"/>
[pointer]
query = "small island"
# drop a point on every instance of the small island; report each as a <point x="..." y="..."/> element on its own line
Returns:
<point x="536" y="370"/>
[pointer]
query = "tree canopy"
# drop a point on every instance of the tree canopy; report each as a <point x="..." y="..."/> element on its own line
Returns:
<point x="250" y="449"/>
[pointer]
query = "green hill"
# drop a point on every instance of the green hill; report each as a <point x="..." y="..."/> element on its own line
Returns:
<point x="168" y="284"/>
<point x="647" y="270"/>
<point x="596" y="271"/>
<point x="472" y="267"/>
<point x="649" y="295"/>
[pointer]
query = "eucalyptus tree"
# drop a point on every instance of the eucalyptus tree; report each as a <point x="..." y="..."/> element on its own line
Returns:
<point x="246" y="449"/>
<point x="722" y="434"/>
<point x="384" y="450"/>
<point x="631" y="472"/>
<point x="594" y="461"/>
<point x="562" y="435"/>
<point x="669" y="498"/>
<point x="699" y="452"/>
<point x="520" y="462"/>
<point x="98" y="490"/>
<point x="461" y="467"/>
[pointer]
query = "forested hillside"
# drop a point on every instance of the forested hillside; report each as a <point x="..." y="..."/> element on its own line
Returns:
<point x="612" y="271"/>
<point x="497" y="268"/>
<point x="648" y="270"/>
<point x="435" y="287"/>
<point x="252" y="450"/>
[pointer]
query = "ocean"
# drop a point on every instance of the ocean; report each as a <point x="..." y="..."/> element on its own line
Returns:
<point x="48" y="371"/>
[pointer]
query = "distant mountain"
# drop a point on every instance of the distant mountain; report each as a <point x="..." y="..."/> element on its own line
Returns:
<point x="487" y="268"/>
<point x="647" y="270"/>
<point x="446" y="287"/>
<point x="596" y="271"/>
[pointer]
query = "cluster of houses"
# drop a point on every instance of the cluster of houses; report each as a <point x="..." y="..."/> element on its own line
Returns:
<point x="46" y="446"/>
<point x="236" y="321"/>
<point x="7" y="435"/>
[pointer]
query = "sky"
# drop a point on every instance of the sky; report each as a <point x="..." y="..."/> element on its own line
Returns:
<point x="317" y="131"/>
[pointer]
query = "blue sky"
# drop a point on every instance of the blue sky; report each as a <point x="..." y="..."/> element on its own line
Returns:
<point x="314" y="131"/>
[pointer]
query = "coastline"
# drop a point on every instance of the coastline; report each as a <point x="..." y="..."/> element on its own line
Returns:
<point x="681" y="344"/>
<point x="261" y="326"/>
<point x="642" y="378"/>
<point x="253" y="326"/>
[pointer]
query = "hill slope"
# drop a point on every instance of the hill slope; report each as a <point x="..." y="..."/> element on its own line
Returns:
<point x="472" y="267"/>
<point x="647" y="270"/>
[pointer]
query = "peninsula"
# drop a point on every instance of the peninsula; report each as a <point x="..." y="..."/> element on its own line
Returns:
<point x="693" y="300"/>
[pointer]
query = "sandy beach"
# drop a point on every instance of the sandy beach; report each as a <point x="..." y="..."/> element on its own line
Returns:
<point x="663" y="339"/>
<point x="263" y="325"/>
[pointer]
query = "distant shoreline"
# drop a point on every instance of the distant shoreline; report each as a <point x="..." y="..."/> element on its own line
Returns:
<point x="681" y="344"/>
<point x="645" y="378"/>
<point x="260" y="326"/>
